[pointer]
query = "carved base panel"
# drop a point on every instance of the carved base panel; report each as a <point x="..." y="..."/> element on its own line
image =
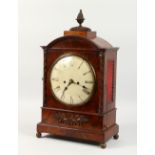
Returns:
<point x="71" y="119"/>
<point x="74" y="120"/>
<point x="81" y="134"/>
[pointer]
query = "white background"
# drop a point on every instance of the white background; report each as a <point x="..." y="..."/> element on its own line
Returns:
<point x="42" y="21"/>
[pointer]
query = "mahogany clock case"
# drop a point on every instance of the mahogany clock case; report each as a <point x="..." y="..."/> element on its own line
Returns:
<point x="95" y="120"/>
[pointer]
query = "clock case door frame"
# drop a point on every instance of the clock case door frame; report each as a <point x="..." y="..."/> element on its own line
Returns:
<point x="92" y="58"/>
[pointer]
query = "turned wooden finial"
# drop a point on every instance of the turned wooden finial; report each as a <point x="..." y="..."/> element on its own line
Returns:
<point x="81" y="30"/>
<point x="80" y="18"/>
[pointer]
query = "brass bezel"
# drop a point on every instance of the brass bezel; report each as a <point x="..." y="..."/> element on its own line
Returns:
<point x="94" y="76"/>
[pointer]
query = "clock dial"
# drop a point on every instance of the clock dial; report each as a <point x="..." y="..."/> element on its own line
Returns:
<point x="72" y="80"/>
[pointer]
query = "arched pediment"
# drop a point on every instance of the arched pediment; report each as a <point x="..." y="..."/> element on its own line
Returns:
<point x="73" y="42"/>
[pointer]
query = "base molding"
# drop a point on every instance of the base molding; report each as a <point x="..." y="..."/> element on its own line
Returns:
<point x="81" y="134"/>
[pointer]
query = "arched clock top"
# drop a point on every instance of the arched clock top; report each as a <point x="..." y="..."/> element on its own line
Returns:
<point x="72" y="42"/>
<point x="79" y="37"/>
<point x="78" y="42"/>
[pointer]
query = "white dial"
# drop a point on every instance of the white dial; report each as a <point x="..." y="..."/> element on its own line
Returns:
<point x="72" y="80"/>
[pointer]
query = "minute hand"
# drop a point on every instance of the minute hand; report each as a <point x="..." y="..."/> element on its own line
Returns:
<point x="70" y="82"/>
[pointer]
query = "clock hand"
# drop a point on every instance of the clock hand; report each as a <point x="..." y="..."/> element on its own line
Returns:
<point x="70" y="82"/>
<point x="63" y="92"/>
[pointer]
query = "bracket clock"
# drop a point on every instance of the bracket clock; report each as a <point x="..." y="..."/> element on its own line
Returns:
<point x="79" y="87"/>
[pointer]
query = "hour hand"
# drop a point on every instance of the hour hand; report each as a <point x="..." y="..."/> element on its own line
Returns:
<point x="70" y="82"/>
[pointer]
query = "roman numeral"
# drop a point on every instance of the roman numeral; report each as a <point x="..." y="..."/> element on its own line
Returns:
<point x="80" y="98"/>
<point x="57" y="88"/>
<point x="86" y="91"/>
<point x="56" y="69"/>
<point x="86" y="72"/>
<point x="80" y="65"/>
<point x="89" y="82"/>
<point x="71" y="63"/>
<point x="71" y="100"/>
<point x="62" y="97"/>
<point x="55" y="79"/>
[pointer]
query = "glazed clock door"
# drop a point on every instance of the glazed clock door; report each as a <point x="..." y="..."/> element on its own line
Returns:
<point x="72" y="80"/>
